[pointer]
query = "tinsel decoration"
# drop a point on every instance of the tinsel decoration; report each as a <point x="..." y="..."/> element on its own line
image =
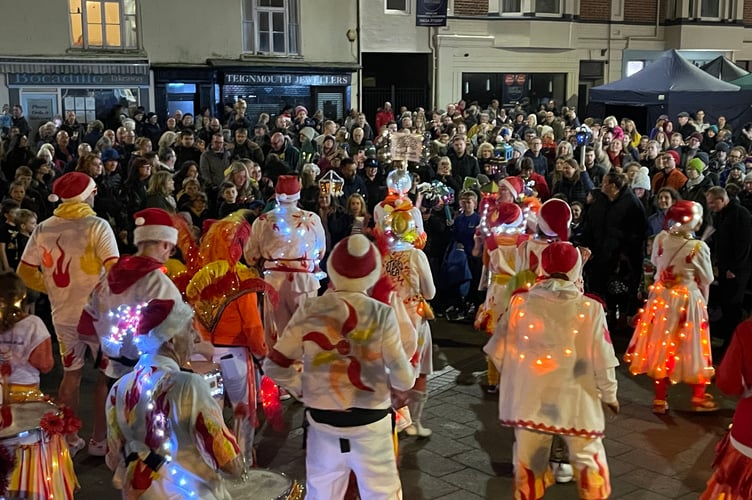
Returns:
<point x="271" y="403"/>
<point x="7" y="464"/>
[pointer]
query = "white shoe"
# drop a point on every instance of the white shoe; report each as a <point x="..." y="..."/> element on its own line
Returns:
<point x="563" y="473"/>
<point x="97" y="448"/>
<point x="415" y="429"/>
<point x="74" y="448"/>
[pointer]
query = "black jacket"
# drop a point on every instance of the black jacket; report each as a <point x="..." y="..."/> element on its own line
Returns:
<point x="731" y="241"/>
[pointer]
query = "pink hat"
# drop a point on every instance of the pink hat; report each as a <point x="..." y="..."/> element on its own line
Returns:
<point x="154" y="224"/>
<point x="287" y="188"/>
<point x="554" y="219"/>
<point x="354" y="264"/>
<point x="298" y="109"/>
<point x="73" y="187"/>
<point x="514" y="184"/>
<point x="560" y="257"/>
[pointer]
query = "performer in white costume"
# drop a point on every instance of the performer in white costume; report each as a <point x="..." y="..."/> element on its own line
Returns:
<point x="351" y="351"/>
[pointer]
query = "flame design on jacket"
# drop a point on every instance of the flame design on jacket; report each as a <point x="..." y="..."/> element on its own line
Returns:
<point x="61" y="274"/>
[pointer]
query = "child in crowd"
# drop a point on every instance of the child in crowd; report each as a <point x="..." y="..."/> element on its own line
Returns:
<point x="464" y="225"/>
<point x="26" y="221"/>
<point x="229" y="195"/>
<point x="8" y="230"/>
<point x="25" y="342"/>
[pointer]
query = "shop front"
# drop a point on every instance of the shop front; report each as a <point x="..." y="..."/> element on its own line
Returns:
<point x="48" y="90"/>
<point x="271" y="90"/>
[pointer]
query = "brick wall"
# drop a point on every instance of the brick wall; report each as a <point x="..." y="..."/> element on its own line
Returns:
<point x="747" y="13"/>
<point x="641" y="11"/>
<point x="595" y="10"/>
<point x="470" y="7"/>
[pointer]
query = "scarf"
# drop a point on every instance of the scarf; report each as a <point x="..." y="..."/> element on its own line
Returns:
<point x="74" y="210"/>
<point x="694" y="182"/>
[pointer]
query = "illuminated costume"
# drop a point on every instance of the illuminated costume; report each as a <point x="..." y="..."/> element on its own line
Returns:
<point x="72" y="248"/>
<point x="732" y="477"/>
<point x="132" y="280"/>
<point x="351" y="352"/>
<point x="410" y="274"/>
<point x="223" y="293"/>
<point x="557" y="363"/>
<point x="502" y="225"/>
<point x="166" y="435"/>
<point x="288" y="243"/>
<point x="671" y="341"/>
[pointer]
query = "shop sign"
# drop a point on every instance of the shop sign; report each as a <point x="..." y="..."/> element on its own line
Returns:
<point x="286" y="79"/>
<point x="75" y="80"/>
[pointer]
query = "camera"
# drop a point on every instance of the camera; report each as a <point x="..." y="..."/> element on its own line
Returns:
<point x="583" y="135"/>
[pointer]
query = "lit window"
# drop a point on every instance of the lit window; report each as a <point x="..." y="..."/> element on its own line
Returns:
<point x="270" y="26"/>
<point x="548" y="6"/>
<point x="397" y="6"/>
<point x="103" y="24"/>
<point x="634" y="66"/>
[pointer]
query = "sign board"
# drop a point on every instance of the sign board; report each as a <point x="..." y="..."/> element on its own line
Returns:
<point x="431" y="13"/>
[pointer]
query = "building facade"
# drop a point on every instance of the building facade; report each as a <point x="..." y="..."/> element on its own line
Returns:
<point x="88" y="55"/>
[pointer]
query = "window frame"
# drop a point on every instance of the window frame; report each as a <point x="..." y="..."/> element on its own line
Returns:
<point x="726" y="11"/>
<point x="252" y="34"/>
<point x="511" y="13"/>
<point x="559" y="13"/>
<point x="528" y="7"/>
<point x="123" y="24"/>
<point x="397" y="12"/>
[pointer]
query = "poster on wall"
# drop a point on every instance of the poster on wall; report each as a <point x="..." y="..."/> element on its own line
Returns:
<point x="431" y="13"/>
<point x="514" y="88"/>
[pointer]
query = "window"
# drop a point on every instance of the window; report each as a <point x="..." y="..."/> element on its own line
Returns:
<point x="511" y="6"/>
<point x="710" y="8"/>
<point x="548" y="6"/>
<point x="634" y="66"/>
<point x="270" y="26"/>
<point x="397" y="6"/>
<point x="103" y="24"/>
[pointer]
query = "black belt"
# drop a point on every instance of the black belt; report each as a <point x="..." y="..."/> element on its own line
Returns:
<point x="125" y="361"/>
<point x="352" y="417"/>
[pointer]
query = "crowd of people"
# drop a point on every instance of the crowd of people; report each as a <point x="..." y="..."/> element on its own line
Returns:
<point x="501" y="199"/>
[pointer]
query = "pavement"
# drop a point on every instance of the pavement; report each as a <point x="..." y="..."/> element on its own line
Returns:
<point x="469" y="455"/>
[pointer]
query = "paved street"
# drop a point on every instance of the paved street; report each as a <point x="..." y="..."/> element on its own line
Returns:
<point x="469" y="455"/>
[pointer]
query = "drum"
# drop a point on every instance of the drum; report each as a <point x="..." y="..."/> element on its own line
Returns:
<point x="25" y="428"/>
<point x="263" y="484"/>
<point x="213" y="376"/>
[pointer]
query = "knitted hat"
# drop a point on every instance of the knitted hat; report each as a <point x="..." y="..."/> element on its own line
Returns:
<point x="308" y="132"/>
<point x="514" y="184"/>
<point x="696" y="164"/>
<point x="683" y="216"/>
<point x="722" y="146"/>
<point x="354" y="264"/>
<point x="641" y="179"/>
<point x="154" y="224"/>
<point x="298" y="109"/>
<point x="748" y="177"/>
<point x="287" y="188"/>
<point x="674" y="155"/>
<point x="110" y="154"/>
<point x="561" y="257"/>
<point x="554" y="219"/>
<point x="73" y="187"/>
<point x="160" y="321"/>
<point x="695" y="135"/>
<point x="714" y="128"/>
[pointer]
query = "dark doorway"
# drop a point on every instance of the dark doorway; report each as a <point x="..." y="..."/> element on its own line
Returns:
<point x="402" y="79"/>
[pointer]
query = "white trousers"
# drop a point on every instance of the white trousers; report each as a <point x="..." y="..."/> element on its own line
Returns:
<point x="370" y="457"/>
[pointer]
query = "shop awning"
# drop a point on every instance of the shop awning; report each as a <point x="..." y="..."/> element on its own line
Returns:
<point x="96" y="67"/>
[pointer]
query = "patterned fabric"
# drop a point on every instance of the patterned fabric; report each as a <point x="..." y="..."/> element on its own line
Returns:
<point x="71" y="254"/>
<point x="161" y="409"/>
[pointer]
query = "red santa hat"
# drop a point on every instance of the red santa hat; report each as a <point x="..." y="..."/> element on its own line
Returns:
<point x="160" y="320"/>
<point x="554" y="219"/>
<point x="514" y="184"/>
<point x="354" y="264"/>
<point x="510" y="215"/>
<point x="287" y="188"/>
<point x="561" y="258"/>
<point x="154" y="224"/>
<point x="73" y="187"/>
<point x="683" y="217"/>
